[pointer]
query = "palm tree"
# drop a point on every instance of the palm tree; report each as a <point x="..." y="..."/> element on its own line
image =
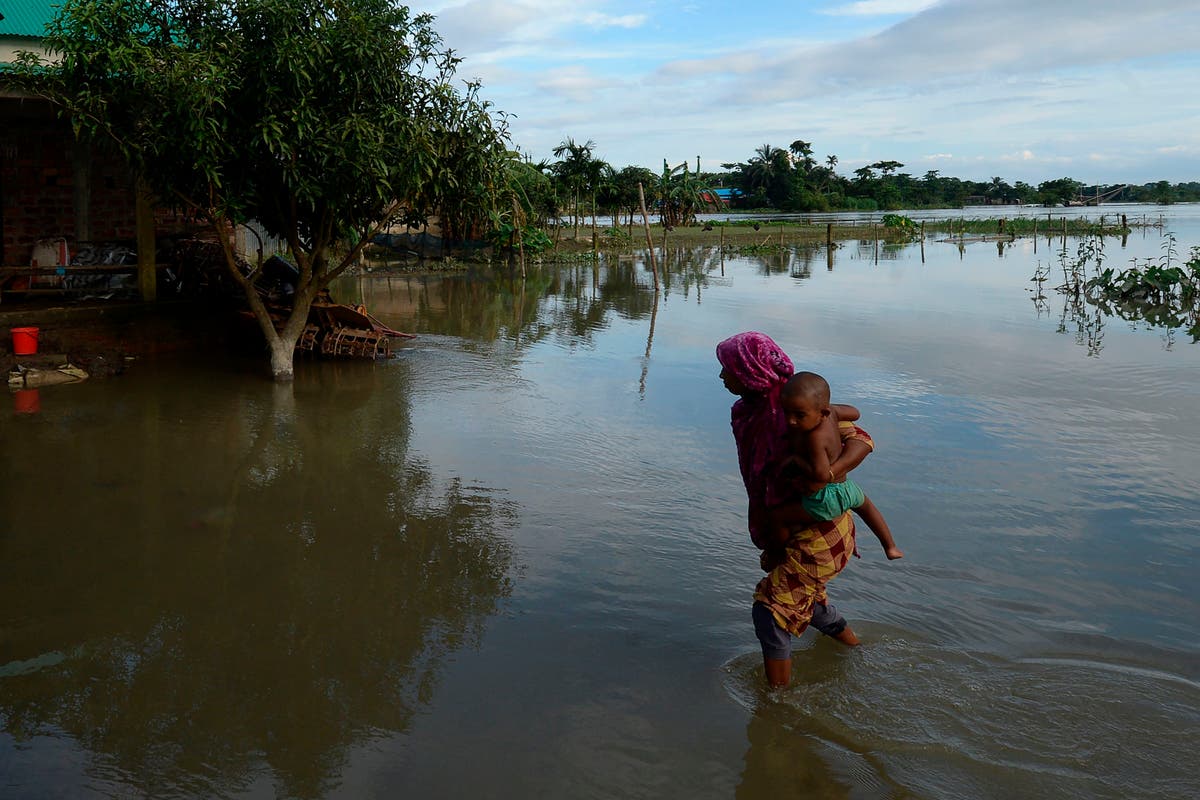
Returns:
<point x="998" y="188"/>
<point x="802" y="152"/>
<point x="768" y="173"/>
<point x="578" y="170"/>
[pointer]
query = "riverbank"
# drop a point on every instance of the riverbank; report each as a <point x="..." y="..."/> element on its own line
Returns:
<point x="103" y="336"/>
<point x="890" y="228"/>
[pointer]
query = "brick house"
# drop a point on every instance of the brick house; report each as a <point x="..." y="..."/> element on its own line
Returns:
<point x="53" y="188"/>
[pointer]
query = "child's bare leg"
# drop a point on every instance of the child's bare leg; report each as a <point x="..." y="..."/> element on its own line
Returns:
<point x="878" y="525"/>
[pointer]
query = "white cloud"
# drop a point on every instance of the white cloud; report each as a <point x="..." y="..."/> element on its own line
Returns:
<point x="597" y="20"/>
<point x="575" y="84"/>
<point x="480" y="27"/>
<point x="1018" y="88"/>
<point x="959" y="41"/>
<point x="872" y="8"/>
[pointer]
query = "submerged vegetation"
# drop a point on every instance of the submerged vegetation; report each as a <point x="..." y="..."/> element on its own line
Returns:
<point x="1161" y="293"/>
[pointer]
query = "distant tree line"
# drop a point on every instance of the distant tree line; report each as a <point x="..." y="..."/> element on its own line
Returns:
<point x="794" y="179"/>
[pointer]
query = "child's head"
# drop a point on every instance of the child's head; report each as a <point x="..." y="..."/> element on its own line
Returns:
<point x="805" y="401"/>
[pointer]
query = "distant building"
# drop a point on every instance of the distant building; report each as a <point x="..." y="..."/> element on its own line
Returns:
<point x="724" y="196"/>
<point x="22" y="27"/>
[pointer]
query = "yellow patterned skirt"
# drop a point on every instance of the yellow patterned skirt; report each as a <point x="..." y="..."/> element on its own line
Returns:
<point x="796" y="576"/>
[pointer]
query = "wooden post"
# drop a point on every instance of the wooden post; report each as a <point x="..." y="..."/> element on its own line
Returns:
<point x="81" y="162"/>
<point x="144" y="221"/>
<point x="649" y="240"/>
<point x="520" y="238"/>
<point x="829" y="234"/>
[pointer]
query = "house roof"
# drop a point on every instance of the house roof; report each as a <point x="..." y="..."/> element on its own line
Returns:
<point x="26" y="18"/>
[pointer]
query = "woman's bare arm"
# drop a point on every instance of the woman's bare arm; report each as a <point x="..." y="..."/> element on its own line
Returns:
<point x="856" y="443"/>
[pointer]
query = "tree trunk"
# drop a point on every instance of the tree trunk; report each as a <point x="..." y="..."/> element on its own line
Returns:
<point x="282" y="355"/>
<point x="282" y="343"/>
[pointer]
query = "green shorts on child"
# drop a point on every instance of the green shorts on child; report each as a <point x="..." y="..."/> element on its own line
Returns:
<point x="833" y="500"/>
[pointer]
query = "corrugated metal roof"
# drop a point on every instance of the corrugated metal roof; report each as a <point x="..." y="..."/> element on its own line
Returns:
<point x="26" y="17"/>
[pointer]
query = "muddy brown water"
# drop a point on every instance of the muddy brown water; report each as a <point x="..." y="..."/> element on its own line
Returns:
<point x="511" y="561"/>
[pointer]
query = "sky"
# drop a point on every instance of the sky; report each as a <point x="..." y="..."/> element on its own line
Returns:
<point x="1103" y="91"/>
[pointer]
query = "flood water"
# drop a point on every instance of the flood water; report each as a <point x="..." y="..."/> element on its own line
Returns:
<point x="511" y="562"/>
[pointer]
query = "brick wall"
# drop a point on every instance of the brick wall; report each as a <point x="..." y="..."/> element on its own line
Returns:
<point x="50" y="188"/>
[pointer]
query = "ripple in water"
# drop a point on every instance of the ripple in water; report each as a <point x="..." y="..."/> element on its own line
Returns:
<point x="920" y="719"/>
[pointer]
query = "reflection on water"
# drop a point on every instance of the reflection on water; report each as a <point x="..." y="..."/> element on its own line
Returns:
<point x="232" y="582"/>
<point x="519" y="546"/>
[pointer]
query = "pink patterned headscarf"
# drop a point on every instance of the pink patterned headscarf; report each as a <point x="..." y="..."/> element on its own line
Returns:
<point x="759" y="426"/>
<point x="755" y="360"/>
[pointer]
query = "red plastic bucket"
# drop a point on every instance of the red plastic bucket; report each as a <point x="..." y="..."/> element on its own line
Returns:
<point x="24" y="341"/>
<point x="27" y="401"/>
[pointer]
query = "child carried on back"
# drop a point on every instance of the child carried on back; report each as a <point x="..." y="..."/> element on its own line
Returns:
<point x="816" y="444"/>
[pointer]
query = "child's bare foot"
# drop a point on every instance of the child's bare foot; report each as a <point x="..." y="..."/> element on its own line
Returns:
<point x="847" y="637"/>
<point x="893" y="553"/>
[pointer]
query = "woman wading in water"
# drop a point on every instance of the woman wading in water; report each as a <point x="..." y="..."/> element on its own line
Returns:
<point x="792" y="594"/>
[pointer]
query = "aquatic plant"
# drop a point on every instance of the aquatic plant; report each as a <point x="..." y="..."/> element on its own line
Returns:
<point x="898" y="221"/>
<point x="1161" y="293"/>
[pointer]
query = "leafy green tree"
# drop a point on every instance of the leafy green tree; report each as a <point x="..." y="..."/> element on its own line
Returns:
<point x="534" y="191"/>
<point x="623" y="189"/>
<point x="1059" y="190"/>
<point x="1163" y="193"/>
<point x="320" y="120"/>
<point x="887" y="167"/>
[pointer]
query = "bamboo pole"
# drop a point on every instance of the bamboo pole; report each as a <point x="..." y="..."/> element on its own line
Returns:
<point x="520" y="238"/>
<point x="649" y="240"/>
